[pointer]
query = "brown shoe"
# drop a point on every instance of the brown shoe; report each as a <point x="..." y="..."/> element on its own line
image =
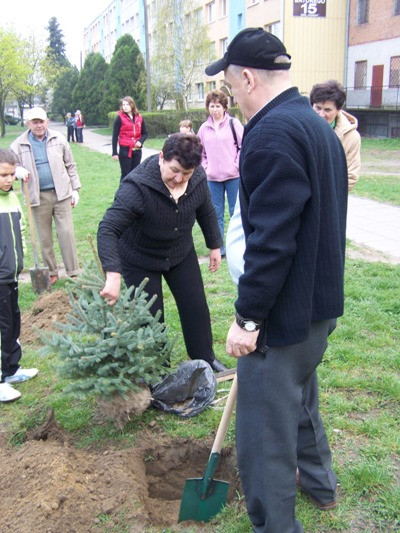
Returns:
<point x="321" y="506"/>
<point x="53" y="279"/>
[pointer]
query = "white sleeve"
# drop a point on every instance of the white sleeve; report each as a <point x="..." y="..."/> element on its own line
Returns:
<point x="235" y="244"/>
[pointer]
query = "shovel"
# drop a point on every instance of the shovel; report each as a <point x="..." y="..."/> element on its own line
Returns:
<point x="204" y="497"/>
<point x="40" y="276"/>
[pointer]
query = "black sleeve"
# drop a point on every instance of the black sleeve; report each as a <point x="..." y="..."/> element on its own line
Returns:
<point x="144" y="132"/>
<point x="116" y="130"/>
<point x="128" y="205"/>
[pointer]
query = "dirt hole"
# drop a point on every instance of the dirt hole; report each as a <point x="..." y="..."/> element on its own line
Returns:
<point x="52" y="486"/>
<point x="168" y="467"/>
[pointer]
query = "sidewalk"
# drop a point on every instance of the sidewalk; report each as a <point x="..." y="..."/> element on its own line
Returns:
<point x="370" y="224"/>
<point x="375" y="225"/>
<point x="96" y="141"/>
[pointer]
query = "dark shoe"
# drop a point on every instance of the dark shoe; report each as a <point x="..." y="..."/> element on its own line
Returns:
<point x="321" y="506"/>
<point x="217" y="366"/>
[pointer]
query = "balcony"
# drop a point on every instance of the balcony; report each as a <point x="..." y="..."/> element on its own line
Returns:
<point x="374" y="97"/>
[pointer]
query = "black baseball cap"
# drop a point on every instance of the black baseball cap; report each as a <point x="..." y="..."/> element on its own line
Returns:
<point x="252" y="47"/>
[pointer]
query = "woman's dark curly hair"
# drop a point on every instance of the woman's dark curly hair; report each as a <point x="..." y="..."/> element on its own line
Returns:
<point x="186" y="148"/>
<point x="217" y="96"/>
<point x="330" y="90"/>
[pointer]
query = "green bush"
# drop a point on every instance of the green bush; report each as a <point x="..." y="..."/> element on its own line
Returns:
<point x="163" y="123"/>
<point x="56" y="117"/>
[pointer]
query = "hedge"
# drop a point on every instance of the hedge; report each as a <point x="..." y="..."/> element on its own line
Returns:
<point x="163" y="123"/>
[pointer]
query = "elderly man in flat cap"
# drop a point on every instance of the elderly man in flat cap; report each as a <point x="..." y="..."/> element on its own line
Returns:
<point x="293" y="198"/>
<point x="53" y="188"/>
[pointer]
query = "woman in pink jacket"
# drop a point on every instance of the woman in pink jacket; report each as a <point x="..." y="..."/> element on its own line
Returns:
<point x="221" y="137"/>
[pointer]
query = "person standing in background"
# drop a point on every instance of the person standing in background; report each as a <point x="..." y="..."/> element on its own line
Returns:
<point x="70" y="123"/>
<point x="328" y="100"/>
<point x="80" y="124"/>
<point x="186" y="126"/>
<point x="130" y="133"/>
<point x="221" y="137"/>
<point x="53" y="188"/>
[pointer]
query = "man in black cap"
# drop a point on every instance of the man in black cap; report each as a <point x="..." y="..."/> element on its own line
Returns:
<point x="293" y="197"/>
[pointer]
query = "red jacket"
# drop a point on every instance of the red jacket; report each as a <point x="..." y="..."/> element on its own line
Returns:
<point x="130" y="131"/>
<point x="79" y="121"/>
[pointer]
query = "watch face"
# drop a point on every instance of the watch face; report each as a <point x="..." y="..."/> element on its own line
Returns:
<point x="250" y="326"/>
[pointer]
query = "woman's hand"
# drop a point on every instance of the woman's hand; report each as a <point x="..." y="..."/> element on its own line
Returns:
<point x="138" y="144"/>
<point x="116" y="157"/>
<point x="111" y="289"/>
<point x="215" y="260"/>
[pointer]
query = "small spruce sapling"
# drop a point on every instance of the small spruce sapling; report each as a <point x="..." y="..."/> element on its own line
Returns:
<point x="109" y="351"/>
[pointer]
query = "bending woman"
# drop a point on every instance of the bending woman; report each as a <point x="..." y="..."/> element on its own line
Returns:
<point x="130" y="133"/>
<point x="147" y="232"/>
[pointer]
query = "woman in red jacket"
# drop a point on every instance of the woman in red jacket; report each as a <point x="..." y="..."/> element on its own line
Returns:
<point x="130" y="133"/>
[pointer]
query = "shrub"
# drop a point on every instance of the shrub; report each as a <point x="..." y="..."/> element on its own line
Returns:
<point x="163" y="123"/>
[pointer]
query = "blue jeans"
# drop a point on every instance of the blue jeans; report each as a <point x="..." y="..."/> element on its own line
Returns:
<point x="218" y="190"/>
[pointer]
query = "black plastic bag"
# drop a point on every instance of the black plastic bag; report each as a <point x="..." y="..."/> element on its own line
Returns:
<point x="187" y="391"/>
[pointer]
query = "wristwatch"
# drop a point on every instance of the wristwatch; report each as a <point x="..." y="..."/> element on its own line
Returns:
<point x="247" y="323"/>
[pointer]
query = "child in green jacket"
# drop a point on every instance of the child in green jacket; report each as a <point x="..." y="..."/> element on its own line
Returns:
<point x="11" y="257"/>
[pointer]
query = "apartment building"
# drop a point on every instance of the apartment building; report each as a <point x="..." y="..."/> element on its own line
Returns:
<point x="314" y="32"/>
<point x="373" y="65"/>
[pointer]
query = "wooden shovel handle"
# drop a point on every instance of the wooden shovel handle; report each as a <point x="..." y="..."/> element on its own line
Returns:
<point x="31" y="227"/>
<point x="226" y="416"/>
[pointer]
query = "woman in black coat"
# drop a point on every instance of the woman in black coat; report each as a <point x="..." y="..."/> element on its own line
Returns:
<point x="147" y="232"/>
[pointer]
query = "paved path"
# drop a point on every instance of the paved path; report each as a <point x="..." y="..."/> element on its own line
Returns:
<point x="370" y="224"/>
<point x="375" y="225"/>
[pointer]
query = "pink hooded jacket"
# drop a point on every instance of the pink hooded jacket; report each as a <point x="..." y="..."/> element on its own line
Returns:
<point x="220" y="154"/>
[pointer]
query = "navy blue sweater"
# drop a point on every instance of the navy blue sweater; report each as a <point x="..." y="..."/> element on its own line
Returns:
<point x="293" y="198"/>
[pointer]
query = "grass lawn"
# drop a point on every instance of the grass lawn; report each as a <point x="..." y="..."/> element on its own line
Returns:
<point x="359" y="378"/>
<point x="380" y="163"/>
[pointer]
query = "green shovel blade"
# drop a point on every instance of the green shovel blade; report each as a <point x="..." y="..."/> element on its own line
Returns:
<point x="204" y="497"/>
<point x="200" y="508"/>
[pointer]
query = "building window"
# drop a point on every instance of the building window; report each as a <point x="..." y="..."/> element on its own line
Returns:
<point x="394" y="77"/>
<point x="274" y="28"/>
<point x="198" y="16"/>
<point x="360" y="75"/>
<point x="211" y="11"/>
<point x="362" y="11"/>
<point x="211" y="52"/>
<point x="187" y="22"/>
<point x="396" y="7"/>
<point x="239" y="20"/>
<point x="211" y="86"/>
<point x="200" y="91"/>
<point x="223" y="8"/>
<point x="223" y="45"/>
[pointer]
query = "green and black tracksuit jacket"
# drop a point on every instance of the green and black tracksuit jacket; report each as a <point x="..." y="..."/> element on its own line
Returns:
<point x="12" y="226"/>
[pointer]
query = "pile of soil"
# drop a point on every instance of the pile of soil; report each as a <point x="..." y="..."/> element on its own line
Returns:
<point x="50" y="486"/>
<point x="49" y="308"/>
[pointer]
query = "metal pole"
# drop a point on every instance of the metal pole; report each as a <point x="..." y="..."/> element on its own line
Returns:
<point x="148" y="77"/>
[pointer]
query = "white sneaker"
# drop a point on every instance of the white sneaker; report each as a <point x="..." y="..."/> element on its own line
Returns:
<point x="22" y="374"/>
<point x="8" y="393"/>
